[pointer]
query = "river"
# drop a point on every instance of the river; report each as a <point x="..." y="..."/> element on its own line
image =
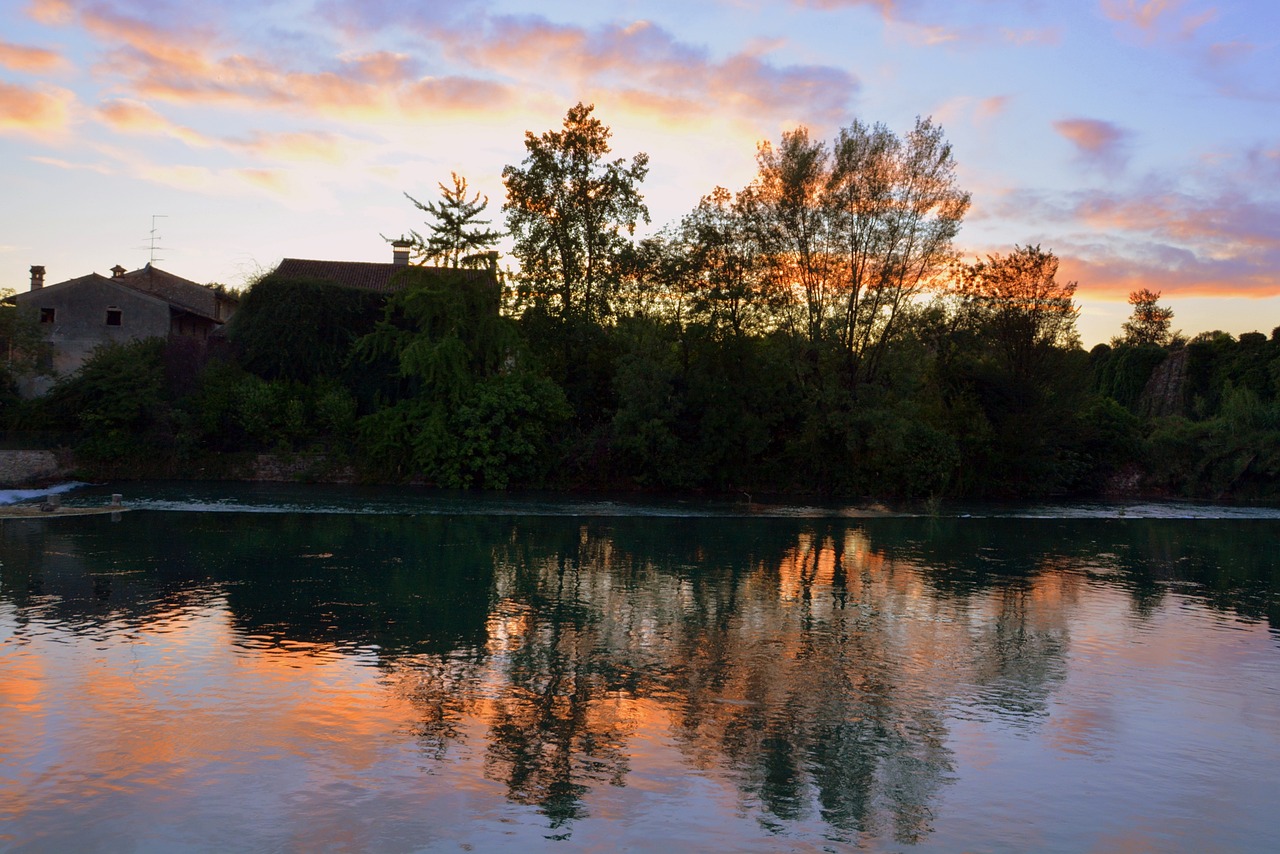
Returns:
<point x="286" y="668"/>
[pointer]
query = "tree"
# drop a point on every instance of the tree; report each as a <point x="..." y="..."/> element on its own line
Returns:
<point x="895" y="208"/>
<point x="729" y="290"/>
<point x="1149" y="323"/>
<point x="568" y="209"/>
<point x="1017" y="301"/>
<point x="456" y="227"/>
<point x="851" y="233"/>
<point x="785" y="205"/>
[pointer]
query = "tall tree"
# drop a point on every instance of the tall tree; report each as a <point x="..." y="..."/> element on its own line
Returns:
<point x="785" y="204"/>
<point x="571" y="211"/>
<point x="895" y="207"/>
<point x="1149" y="323"/>
<point x="1021" y="308"/>
<point x="456" y="229"/>
<point x="852" y="232"/>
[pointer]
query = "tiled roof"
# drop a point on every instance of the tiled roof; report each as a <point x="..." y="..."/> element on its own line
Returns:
<point x="365" y="275"/>
<point x="181" y="293"/>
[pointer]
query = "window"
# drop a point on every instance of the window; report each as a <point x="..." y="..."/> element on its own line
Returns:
<point x="47" y="315"/>
<point x="114" y="316"/>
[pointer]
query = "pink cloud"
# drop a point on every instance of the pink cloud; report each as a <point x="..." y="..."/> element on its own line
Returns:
<point x="297" y="146"/>
<point x="909" y="19"/>
<point x="1223" y="240"/>
<point x="1096" y="141"/>
<point x="33" y="60"/>
<point x="643" y="58"/>
<point x="1158" y="17"/>
<point x="989" y="108"/>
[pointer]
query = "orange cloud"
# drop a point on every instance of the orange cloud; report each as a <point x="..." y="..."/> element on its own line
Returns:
<point x="34" y="60"/>
<point x="135" y="117"/>
<point x="50" y="12"/>
<point x="271" y="180"/>
<point x="25" y="110"/>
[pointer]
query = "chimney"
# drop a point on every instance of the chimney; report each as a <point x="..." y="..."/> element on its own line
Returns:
<point x="117" y="271"/>
<point x="400" y="252"/>
<point x="37" y="278"/>
<point x="492" y="256"/>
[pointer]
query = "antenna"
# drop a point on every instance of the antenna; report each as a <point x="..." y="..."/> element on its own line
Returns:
<point x="153" y="241"/>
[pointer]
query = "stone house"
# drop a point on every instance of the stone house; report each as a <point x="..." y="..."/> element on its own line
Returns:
<point x="83" y="313"/>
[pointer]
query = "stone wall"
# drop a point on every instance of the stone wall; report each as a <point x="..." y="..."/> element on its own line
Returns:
<point x="24" y="468"/>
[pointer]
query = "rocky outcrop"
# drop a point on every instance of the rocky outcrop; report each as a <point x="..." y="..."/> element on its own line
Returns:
<point x="1166" y="390"/>
<point x="27" y="468"/>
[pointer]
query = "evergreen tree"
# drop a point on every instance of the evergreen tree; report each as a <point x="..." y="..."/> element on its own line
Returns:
<point x="456" y="230"/>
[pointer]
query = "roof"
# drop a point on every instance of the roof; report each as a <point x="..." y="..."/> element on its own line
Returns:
<point x="364" y="275"/>
<point x="181" y="294"/>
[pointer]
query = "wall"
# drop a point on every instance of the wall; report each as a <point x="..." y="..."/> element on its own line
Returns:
<point x="80" y="320"/>
<point x="21" y="468"/>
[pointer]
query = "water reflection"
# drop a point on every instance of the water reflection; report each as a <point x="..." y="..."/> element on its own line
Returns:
<point x="819" y="668"/>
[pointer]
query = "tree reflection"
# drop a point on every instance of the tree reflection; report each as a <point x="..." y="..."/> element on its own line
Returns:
<point x="814" y="663"/>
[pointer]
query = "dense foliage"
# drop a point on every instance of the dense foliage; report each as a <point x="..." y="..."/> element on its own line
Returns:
<point x="813" y="332"/>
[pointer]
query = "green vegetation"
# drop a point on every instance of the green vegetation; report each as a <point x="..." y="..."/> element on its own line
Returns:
<point x="812" y="333"/>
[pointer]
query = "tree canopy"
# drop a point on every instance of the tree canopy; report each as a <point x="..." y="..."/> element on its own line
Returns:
<point x="1149" y="323"/>
<point x="571" y="211"/>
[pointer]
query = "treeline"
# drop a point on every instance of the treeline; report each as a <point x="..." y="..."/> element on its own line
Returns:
<point x="812" y="333"/>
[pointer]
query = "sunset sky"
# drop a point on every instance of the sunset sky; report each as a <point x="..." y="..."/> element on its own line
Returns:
<point x="1137" y="139"/>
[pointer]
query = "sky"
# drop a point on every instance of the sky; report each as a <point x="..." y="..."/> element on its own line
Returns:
<point x="1139" y="140"/>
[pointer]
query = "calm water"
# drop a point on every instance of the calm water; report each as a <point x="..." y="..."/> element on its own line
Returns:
<point x="367" y="670"/>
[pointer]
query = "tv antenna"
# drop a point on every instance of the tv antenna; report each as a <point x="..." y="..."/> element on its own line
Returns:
<point x="153" y="240"/>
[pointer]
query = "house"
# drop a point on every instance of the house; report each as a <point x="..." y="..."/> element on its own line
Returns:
<point x="384" y="278"/>
<point x="83" y="313"/>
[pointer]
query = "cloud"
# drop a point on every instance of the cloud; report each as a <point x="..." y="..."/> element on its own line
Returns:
<point x="651" y="66"/>
<point x="989" y="108"/>
<point x="487" y="63"/>
<point x="72" y="167"/>
<point x="33" y="60"/>
<point x="51" y="12"/>
<point x="134" y="117"/>
<point x="41" y="110"/>
<point x="1215" y="239"/>
<point x="908" y="21"/>
<point x="128" y="116"/>
<point x="1158" y="18"/>
<point x="1097" y="142"/>
<point x="315" y="146"/>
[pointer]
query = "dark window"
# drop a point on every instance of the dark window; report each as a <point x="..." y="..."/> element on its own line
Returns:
<point x="114" y="315"/>
<point x="47" y="315"/>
